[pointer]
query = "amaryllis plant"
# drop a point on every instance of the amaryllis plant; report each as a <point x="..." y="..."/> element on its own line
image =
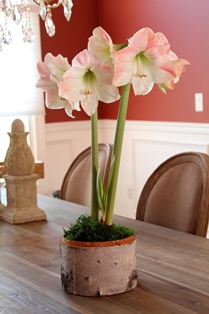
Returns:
<point x="95" y="75"/>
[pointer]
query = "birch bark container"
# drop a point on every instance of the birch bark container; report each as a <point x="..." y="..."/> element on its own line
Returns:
<point x="98" y="268"/>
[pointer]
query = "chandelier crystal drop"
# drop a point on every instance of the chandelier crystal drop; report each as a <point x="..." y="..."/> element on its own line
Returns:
<point x="19" y="12"/>
<point x="49" y="24"/>
<point x="46" y="15"/>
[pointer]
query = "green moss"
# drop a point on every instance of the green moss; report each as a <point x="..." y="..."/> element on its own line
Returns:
<point x="88" y="230"/>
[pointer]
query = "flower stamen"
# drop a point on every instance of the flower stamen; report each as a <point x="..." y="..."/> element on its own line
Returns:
<point x="87" y="92"/>
<point x="142" y="75"/>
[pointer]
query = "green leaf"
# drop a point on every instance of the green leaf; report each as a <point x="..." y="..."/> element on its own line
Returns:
<point x="99" y="189"/>
<point x="110" y="173"/>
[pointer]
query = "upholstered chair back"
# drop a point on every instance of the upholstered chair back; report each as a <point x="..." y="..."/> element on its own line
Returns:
<point x="176" y="195"/>
<point x="76" y="186"/>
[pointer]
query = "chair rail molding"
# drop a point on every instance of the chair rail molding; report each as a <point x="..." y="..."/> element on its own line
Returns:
<point x="146" y="144"/>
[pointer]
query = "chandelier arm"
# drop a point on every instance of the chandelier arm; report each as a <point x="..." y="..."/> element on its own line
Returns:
<point x="49" y="6"/>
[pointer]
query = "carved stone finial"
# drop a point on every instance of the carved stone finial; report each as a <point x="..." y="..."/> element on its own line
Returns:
<point x="19" y="160"/>
<point x="17" y="126"/>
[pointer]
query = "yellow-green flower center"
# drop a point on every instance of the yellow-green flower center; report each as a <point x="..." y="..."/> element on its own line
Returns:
<point x="141" y="59"/>
<point x="89" y="78"/>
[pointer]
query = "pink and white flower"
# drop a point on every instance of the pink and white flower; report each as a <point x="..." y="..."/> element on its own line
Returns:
<point x="177" y="63"/>
<point x="51" y="72"/>
<point x="143" y="62"/>
<point x="88" y="81"/>
<point x="101" y="45"/>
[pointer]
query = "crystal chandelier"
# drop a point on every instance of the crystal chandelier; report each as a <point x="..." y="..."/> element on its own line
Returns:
<point x="19" y="12"/>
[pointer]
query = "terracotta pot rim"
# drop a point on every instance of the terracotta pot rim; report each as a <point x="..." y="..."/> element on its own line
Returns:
<point x="74" y="243"/>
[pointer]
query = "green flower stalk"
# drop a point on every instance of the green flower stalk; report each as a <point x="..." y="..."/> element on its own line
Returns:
<point x="94" y="167"/>
<point x="118" y="142"/>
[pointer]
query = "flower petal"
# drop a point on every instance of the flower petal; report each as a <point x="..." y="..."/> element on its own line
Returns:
<point x="57" y="65"/>
<point x="100" y="44"/>
<point x="143" y="40"/>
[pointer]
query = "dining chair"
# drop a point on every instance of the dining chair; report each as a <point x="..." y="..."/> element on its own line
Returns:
<point x="76" y="185"/>
<point x="176" y="195"/>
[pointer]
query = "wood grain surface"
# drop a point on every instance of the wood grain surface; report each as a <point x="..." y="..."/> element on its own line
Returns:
<point x="173" y="269"/>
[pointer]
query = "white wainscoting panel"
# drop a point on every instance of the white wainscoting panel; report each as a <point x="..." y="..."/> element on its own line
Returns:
<point x="145" y="146"/>
<point x="61" y="153"/>
<point x="64" y="141"/>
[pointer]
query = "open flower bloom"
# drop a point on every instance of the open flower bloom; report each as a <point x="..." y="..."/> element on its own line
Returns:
<point x="143" y="62"/>
<point x="58" y="65"/>
<point x="87" y="82"/>
<point x="177" y="63"/>
<point x="179" y="68"/>
<point x="51" y="72"/>
<point x="101" y="45"/>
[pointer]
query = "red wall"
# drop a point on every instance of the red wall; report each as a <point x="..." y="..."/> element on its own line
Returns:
<point x="185" y="24"/>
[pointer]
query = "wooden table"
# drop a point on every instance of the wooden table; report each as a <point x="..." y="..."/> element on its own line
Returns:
<point x="173" y="269"/>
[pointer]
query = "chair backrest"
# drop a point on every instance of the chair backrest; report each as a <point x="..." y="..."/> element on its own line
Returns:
<point x="176" y="195"/>
<point x="76" y="185"/>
